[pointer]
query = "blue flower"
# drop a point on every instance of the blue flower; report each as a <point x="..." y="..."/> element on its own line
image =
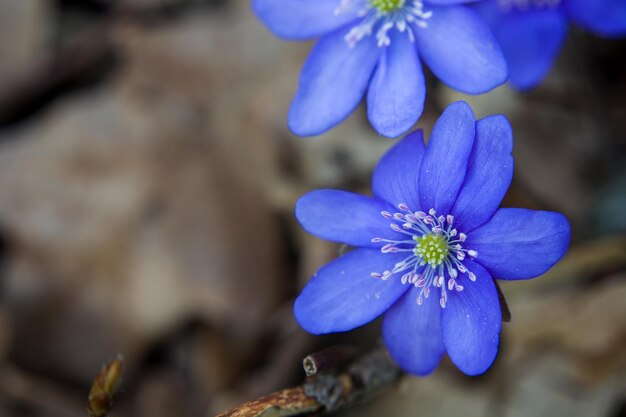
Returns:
<point x="376" y="46"/>
<point x="429" y="244"/>
<point x="532" y="32"/>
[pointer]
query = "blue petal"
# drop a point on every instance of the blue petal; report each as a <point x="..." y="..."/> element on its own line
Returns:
<point x="604" y="17"/>
<point x="396" y="176"/>
<point x="490" y="10"/>
<point x="412" y="333"/>
<point x="531" y="41"/>
<point x="395" y="99"/>
<point x="520" y="243"/>
<point x="445" y="161"/>
<point x="300" y="19"/>
<point x="448" y="2"/>
<point x="489" y="173"/>
<point x="344" y="217"/>
<point x="343" y="295"/>
<point x="333" y="81"/>
<point x="460" y="49"/>
<point x="471" y="323"/>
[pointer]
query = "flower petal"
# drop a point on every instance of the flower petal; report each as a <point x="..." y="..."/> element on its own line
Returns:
<point x="333" y="81"/>
<point x="395" y="99"/>
<point x="471" y="323"/>
<point x="412" y="333"/>
<point x="344" y="217"/>
<point x="604" y="17"/>
<point x="520" y="243"/>
<point x="489" y="173"/>
<point x="460" y="49"/>
<point x="448" y="2"/>
<point x="300" y="19"/>
<point x="445" y="161"/>
<point x="396" y="176"/>
<point x="531" y="41"/>
<point x="343" y="295"/>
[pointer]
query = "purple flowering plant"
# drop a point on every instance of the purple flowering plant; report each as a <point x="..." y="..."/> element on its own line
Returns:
<point x="376" y="46"/>
<point x="429" y="244"/>
<point x="532" y="32"/>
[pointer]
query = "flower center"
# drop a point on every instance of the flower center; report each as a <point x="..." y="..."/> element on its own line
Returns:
<point x="386" y="6"/>
<point x="381" y="16"/>
<point x="434" y="250"/>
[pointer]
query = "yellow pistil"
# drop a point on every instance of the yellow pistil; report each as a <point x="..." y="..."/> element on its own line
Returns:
<point x="432" y="248"/>
<point x="387" y="6"/>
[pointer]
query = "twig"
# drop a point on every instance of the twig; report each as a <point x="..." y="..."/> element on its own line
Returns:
<point x="327" y="360"/>
<point x="325" y="391"/>
<point x="288" y="402"/>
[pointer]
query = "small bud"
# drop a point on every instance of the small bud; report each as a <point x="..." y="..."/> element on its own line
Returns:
<point x="104" y="389"/>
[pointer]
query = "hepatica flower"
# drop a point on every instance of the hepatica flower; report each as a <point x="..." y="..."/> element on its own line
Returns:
<point x="375" y="46"/>
<point x="532" y="32"/>
<point x="429" y="245"/>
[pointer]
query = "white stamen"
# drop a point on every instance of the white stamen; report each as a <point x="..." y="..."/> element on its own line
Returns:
<point x="434" y="252"/>
<point x="407" y="18"/>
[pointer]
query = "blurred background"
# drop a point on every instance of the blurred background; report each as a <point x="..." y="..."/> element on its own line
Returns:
<point x="147" y="184"/>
